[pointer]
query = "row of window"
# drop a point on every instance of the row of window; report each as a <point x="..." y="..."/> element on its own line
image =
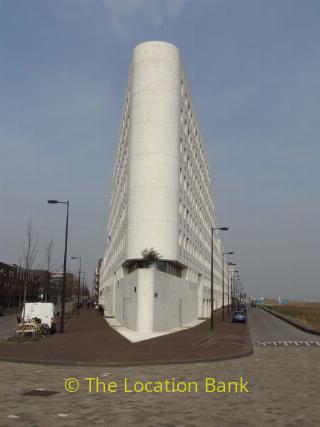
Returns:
<point x="187" y="118"/>
<point x="196" y="203"/>
<point x="165" y="266"/>
<point x="190" y="182"/>
<point x="116" y="250"/>
<point x="118" y="207"/>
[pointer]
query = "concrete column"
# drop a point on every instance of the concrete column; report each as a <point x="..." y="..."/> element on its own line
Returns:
<point x="114" y="299"/>
<point x="145" y="300"/>
<point x="200" y="301"/>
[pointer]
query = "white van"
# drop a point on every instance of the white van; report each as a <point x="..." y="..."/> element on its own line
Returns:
<point x="42" y="310"/>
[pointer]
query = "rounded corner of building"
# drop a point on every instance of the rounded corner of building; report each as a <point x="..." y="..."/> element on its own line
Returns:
<point x="156" y="48"/>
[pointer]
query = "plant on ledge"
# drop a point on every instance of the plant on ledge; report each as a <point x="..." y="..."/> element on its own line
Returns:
<point x="150" y="256"/>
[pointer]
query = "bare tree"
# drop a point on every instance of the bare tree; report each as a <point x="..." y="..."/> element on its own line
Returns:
<point x="49" y="255"/>
<point x="29" y="253"/>
<point x="49" y="265"/>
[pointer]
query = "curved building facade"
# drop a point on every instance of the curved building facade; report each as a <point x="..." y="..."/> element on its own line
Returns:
<point x="162" y="199"/>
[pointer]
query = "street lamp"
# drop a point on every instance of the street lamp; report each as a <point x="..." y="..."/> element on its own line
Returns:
<point x="231" y="283"/>
<point x="53" y="202"/>
<point x="234" y="276"/>
<point x="222" y="277"/>
<point x="211" y="304"/>
<point x="78" y="291"/>
<point x="84" y="281"/>
<point x="237" y="284"/>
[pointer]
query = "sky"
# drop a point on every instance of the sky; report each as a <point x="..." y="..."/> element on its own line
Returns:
<point x="253" y="67"/>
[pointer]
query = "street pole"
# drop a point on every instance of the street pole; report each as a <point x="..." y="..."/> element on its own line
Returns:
<point x="78" y="291"/>
<point x="211" y="305"/>
<point x="223" y="286"/>
<point x="223" y="254"/>
<point x="63" y="302"/>
<point x="232" y="291"/>
<point x="79" y="283"/>
<point x="83" y="282"/>
<point x="228" y="290"/>
<point x="212" y="229"/>
<point x="230" y="275"/>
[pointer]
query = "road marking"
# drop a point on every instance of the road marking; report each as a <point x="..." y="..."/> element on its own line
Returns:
<point x="105" y="374"/>
<point x="288" y="343"/>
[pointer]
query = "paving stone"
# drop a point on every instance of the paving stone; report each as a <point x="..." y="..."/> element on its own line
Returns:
<point x="284" y="392"/>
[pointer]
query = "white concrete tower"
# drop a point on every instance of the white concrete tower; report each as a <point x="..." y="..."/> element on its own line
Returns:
<point x="153" y="150"/>
<point x="162" y="199"/>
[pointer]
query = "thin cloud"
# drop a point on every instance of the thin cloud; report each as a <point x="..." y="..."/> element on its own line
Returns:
<point x="120" y="17"/>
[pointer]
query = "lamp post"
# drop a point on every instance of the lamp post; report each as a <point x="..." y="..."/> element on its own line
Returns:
<point x="83" y="283"/>
<point x="237" y="283"/>
<point x="78" y="290"/>
<point x="235" y="276"/>
<point x="230" y="280"/>
<point x="211" y="304"/>
<point x="63" y="301"/>
<point x="222" y="277"/>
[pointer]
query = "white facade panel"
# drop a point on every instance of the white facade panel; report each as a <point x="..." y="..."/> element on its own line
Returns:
<point x="126" y="301"/>
<point x="175" y="303"/>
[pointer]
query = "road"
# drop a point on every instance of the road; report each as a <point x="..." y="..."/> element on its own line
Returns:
<point x="264" y="327"/>
<point x="283" y="391"/>
<point x="283" y="384"/>
<point x="7" y="325"/>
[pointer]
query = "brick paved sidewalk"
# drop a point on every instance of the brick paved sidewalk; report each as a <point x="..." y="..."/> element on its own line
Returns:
<point x="89" y="340"/>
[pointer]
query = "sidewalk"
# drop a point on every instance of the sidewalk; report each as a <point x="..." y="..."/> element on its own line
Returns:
<point x="89" y="341"/>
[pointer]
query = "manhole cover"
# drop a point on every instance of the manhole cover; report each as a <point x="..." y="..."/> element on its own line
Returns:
<point x="39" y="392"/>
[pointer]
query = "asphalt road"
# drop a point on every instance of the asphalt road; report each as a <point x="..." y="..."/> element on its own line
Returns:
<point x="7" y="325"/>
<point x="266" y="327"/>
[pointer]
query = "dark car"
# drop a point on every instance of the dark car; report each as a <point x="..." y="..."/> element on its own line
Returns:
<point x="242" y="307"/>
<point x="239" y="317"/>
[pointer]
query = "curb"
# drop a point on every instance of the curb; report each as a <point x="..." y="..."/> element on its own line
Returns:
<point x="298" y="325"/>
<point x="249" y="352"/>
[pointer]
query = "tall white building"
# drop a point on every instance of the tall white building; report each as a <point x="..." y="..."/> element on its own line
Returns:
<point x="162" y="199"/>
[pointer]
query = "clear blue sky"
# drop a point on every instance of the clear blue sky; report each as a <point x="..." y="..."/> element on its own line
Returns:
<point x="253" y="67"/>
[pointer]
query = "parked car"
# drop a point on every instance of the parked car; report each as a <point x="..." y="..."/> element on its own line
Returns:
<point x="242" y="307"/>
<point x="239" y="317"/>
